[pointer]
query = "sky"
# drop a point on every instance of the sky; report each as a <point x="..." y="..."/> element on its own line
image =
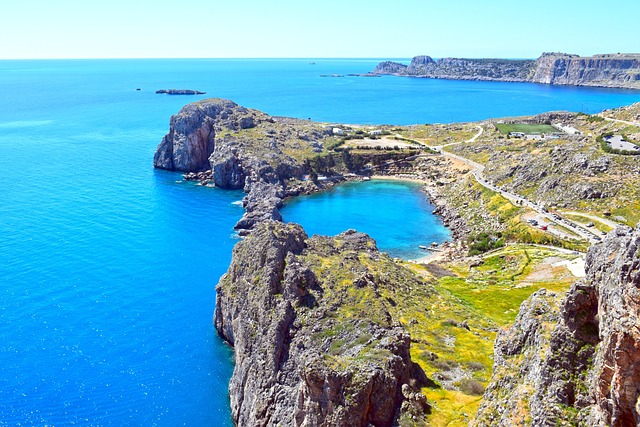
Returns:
<point x="43" y="29"/>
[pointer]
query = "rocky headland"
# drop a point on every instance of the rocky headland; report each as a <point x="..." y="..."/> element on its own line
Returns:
<point x="314" y="338"/>
<point x="608" y="70"/>
<point x="221" y="143"/>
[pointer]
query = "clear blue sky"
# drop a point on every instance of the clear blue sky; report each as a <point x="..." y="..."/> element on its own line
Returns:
<point x="312" y="28"/>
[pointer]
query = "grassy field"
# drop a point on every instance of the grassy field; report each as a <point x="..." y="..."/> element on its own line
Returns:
<point x="529" y="129"/>
<point x="454" y="328"/>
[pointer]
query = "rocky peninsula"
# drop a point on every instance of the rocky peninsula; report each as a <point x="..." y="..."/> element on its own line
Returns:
<point x="314" y="336"/>
<point x="329" y="331"/>
<point x="608" y="70"/>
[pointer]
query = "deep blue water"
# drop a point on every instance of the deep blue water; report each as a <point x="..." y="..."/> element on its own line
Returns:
<point x="108" y="267"/>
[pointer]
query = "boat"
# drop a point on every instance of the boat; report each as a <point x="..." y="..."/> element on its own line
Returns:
<point x="423" y="247"/>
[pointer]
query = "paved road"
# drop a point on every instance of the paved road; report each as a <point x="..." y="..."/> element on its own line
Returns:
<point x="478" y="170"/>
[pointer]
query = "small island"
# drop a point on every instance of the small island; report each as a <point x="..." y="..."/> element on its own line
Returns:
<point x="180" y="92"/>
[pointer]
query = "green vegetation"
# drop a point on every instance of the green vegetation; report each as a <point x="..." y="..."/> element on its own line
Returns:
<point x="591" y="118"/>
<point x="483" y="242"/>
<point x="526" y="128"/>
<point x="453" y="328"/>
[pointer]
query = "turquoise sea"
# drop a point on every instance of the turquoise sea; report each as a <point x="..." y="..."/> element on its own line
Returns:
<point x="108" y="267"/>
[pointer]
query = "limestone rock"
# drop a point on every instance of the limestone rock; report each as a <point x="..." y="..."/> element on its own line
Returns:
<point x="192" y="134"/>
<point x="575" y="361"/>
<point x="299" y="360"/>
<point x="610" y="70"/>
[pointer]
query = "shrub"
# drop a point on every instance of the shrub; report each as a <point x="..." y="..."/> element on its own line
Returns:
<point x="470" y="386"/>
<point x="483" y="242"/>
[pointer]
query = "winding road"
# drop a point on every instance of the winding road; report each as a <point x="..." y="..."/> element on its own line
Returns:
<point x="477" y="170"/>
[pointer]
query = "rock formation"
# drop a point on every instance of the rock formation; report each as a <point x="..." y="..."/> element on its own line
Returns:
<point x="575" y="360"/>
<point x="611" y="70"/>
<point x="615" y="70"/>
<point x="315" y="344"/>
<point x="180" y="92"/>
<point x="242" y="148"/>
<point x="192" y="137"/>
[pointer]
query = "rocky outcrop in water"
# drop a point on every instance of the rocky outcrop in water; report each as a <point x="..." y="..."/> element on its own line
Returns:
<point x="575" y="360"/>
<point x="315" y="344"/>
<point x="610" y="70"/>
<point x="193" y="131"/>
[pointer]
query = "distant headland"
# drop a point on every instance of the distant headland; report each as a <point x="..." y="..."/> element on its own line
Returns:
<point x="616" y="70"/>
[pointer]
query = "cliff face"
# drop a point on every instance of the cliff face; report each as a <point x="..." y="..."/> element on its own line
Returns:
<point x="314" y="342"/>
<point x="192" y="134"/>
<point x="243" y="149"/>
<point x="613" y="70"/>
<point x="575" y="360"/>
<point x="600" y="70"/>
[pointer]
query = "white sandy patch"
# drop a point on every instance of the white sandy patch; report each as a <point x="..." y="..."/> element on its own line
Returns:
<point x="576" y="267"/>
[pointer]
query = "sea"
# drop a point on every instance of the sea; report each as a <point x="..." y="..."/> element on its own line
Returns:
<point x="108" y="267"/>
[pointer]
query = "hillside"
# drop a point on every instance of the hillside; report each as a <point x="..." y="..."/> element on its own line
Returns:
<point x="328" y="330"/>
<point x="608" y="70"/>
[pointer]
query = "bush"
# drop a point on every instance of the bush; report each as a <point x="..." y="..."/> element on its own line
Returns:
<point x="484" y="242"/>
<point x="469" y="386"/>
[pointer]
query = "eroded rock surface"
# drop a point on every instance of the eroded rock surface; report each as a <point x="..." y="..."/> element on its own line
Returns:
<point x="219" y="142"/>
<point x="314" y="343"/>
<point x="575" y="360"/>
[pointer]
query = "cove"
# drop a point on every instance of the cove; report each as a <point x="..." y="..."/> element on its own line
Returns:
<point x="397" y="214"/>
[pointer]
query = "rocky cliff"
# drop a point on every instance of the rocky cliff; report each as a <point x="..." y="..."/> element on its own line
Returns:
<point x="614" y="70"/>
<point x="315" y="343"/>
<point x="192" y="137"/>
<point x="241" y="148"/>
<point x="611" y="70"/>
<point x="574" y="360"/>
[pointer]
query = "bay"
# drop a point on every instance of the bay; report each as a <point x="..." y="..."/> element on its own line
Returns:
<point x="108" y="267"/>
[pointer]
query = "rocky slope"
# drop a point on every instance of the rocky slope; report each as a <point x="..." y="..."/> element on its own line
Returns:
<point x="574" y="360"/>
<point x="315" y="344"/>
<point x="570" y="172"/>
<point x="242" y="148"/>
<point x="611" y="70"/>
